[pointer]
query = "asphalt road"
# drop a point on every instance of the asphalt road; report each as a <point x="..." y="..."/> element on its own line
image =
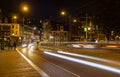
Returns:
<point x="55" y="62"/>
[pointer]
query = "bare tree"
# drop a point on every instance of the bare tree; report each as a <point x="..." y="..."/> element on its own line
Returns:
<point x="46" y="30"/>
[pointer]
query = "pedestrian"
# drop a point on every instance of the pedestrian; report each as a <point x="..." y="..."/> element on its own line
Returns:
<point x="14" y="45"/>
<point x="11" y="44"/>
<point x="8" y="44"/>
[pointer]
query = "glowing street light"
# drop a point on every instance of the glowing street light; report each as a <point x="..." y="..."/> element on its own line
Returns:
<point x="63" y="13"/>
<point x="89" y="28"/>
<point x="25" y="8"/>
<point x="14" y="19"/>
<point x="74" y="20"/>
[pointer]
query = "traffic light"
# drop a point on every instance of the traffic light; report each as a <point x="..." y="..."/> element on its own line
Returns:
<point x="85" y="29"/>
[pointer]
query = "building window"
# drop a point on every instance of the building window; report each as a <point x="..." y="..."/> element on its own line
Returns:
<point x="12" y="26"/>
<point x="12" y="32"/>
<point x="16" y="32"/>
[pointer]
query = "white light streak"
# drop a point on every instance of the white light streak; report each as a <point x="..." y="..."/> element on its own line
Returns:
<point x="108" y="68"/>
<point x="76" y="46"/>
<point x="88" y="46"/>
<point x="88" y="57"/>
<point x="82" y="45"/>
<point x="24" y="45"/>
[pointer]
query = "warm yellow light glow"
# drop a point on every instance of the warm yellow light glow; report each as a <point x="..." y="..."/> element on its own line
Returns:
<point x="25" y="8"/>
<point x="63" y="12"/>
<point x="74" y="20"/>
<point x="15" y="17"/>
<point x="89" y="28"/>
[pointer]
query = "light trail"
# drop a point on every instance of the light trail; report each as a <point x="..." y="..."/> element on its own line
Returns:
<point x="89" y="46"/>
<point x="89" y="57"/>
<point x="83" y="46"/>
<point x="108" y="68"/>
<point x="76" y="46"/>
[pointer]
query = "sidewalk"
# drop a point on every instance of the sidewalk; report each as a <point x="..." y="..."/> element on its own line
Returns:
<point x="12" y="64"/>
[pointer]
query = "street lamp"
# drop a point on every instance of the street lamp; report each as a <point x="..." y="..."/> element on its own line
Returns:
<point x="74" y="20"/>
<point x="63" y="13"/>
<point x="86" y="28"/>
<point x="24" y="8"/>
<point x="86" y="34"/>
<point x="15" y="19"/>
<point x="89" y="28"/>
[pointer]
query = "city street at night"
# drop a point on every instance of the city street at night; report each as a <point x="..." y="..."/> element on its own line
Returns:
<point x="64" y="61"/>
<point x="59" y="38"/>
<point x="61" y="61"/>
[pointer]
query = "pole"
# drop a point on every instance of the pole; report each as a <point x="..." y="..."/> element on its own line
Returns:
<point x="86" y="27"/>
<point x="70" y="27"/>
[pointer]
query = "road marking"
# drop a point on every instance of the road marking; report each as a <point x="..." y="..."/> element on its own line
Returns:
<point x="60" y="66"/>
<point x="108" y="68"/>
<point x="40" y="71"/>
<point x="65" y="70"/>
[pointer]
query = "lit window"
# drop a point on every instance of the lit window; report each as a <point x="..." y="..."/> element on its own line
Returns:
<point x="16" y="32"/>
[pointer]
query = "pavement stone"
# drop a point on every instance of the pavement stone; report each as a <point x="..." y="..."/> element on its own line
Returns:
<point x="12" y="64"/>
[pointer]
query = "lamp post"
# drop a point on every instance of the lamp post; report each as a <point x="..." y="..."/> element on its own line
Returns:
<point x="89" y="30"/>
<point x="63" y="13"/>
<point x="70" y="30"/>
<point x="15" y="19"/>
<point x="86" y="28"/>
<point x="24" y="9"/>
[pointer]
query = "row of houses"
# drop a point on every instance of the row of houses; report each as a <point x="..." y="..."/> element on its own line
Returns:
<point x="16" y="32"/>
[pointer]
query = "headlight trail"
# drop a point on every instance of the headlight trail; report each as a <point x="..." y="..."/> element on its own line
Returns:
<point x="108" y="68"/>
<point x="88" y="57"/>
<point x="76" y="46"/>
<point x="83" y="46"/>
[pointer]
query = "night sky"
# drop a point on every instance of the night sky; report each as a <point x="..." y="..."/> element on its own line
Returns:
<point x="39" y="8"/>
<point x="108" y="11"/>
